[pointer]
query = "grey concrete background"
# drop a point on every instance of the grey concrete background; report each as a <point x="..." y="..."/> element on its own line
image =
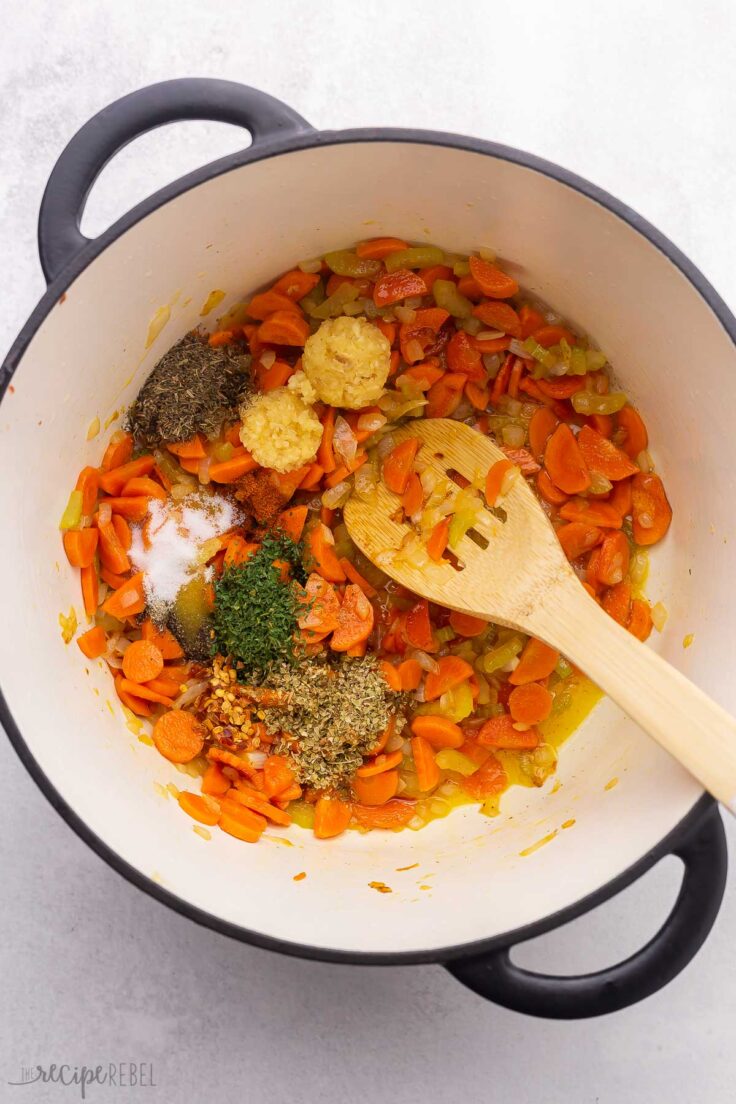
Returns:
<point x="638" y="98"/>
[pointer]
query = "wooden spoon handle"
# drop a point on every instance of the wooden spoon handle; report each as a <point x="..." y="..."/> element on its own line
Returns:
<point x="684" y="720"/>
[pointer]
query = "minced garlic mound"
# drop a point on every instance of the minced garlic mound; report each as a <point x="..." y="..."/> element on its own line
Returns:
<point x="347" y="361"/>
<point x="279" y="430"/>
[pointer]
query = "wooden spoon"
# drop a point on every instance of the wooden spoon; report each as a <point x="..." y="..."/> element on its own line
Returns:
<point x="523" y="580"/>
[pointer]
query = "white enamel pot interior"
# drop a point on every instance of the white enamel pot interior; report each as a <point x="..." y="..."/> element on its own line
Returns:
<point x="86" y="358"/>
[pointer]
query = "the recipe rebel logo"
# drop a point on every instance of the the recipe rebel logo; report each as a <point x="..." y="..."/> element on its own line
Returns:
<point x="120" y="1075"/>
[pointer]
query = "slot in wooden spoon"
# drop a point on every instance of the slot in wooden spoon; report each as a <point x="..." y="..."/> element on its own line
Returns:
<point x="523" y="580"/>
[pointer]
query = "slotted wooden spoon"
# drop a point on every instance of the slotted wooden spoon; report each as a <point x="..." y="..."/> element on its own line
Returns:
<point x="523" y="580"/>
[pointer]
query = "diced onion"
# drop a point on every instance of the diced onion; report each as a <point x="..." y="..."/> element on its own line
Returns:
<point x="314" y="265"/>
<point x="268" y="357"/>
<point x="599" y="484"/>
<point x="128" y="599"/>
<point x="385" y="445"/>
<point x="256" y="759"/>
<point x="190" y="694"/>
<point x="395" y="742"/>
<point x="203" y="471"/>
<point x="369" y="423"/>
<point x="492" y="364"/>
<point x="424" y="660"/>
<point x="513" y="436"/>
<point x="413" y="302"/>
<point x="487" y="254"/>
<point x="490" y="335"/>
<point x="405" y="314"/>
<point x="519" y="349"/>
<point x="337" y="495"/>
<point x="644" y="461"/>
<point x="366" y="481"/>
<point x="645" y="520"/>
<point x="513" y="407"/>
<point x="344" y="441"/>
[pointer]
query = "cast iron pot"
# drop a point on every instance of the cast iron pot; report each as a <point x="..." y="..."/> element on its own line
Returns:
<point x="234" y="225"/>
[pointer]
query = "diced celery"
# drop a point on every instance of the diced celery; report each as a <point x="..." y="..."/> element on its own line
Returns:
<point x="346" y="263"/>
<point x="222" y="451"/>
<point x="457" y="704"/>
<point x="449" y="298"/>
<point x="578" y="362"/>
<point x="301" y="813"/>
<point x="588" y="402"/>
<point x="332" y="307"/>
<point x="313" y="299"/>
<point x="595" y="360"/>
<point x="539" y="764"/>
<point x="544" y="356"/>
<point x="461" y="522"/>
<point x="445" y="634"/>
<point x="420" y="256"/>
<point x="461" y="268"/>
<point x="72" y="516"/>
<point x="563" y="668"/>
<point x="501" y="655"/>
<point x="471" y="325"/>
<point x="452" y="760"/>
<point x="564" y="353"/>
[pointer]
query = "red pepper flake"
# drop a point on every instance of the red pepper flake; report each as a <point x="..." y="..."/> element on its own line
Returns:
<point x="300" y="877"/>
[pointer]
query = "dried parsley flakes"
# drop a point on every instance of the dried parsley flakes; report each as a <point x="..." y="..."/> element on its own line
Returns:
<point x="192" y="389"/>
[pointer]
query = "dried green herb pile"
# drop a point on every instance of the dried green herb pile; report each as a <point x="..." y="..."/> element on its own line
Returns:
<point x="334" y="715"/>
<point x="256" y="611"/>
<point x="192" y="389"/>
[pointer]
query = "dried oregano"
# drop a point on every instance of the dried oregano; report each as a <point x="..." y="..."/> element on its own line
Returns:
<point x="192" y="389"/>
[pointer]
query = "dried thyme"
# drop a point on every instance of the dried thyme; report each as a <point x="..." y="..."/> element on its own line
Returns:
<point x="192" y="389"/>
<point x="334" y="716"/>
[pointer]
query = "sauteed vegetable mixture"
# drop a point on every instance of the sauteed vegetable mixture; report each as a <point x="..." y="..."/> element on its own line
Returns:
<point x="248" y="638"/>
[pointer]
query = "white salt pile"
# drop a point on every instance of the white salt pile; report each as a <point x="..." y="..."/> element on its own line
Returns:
<point x="173" y="549"/>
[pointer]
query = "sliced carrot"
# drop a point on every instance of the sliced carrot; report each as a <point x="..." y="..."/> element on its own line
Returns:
<point x="437" y="542"/>
<point x="395" y="286"/>
<point x="228" y="471"/>
<point x="410" y="674"/>
<point x="438" y="731"/>
<point x="578" y="538"/>
<point x="617" y="602"/>
<point x="312" y="479"/>
<point x="613" y="557"/>
<point x="142" y="661"/>
<point x="488" y="780"/>
<point x="112" y="554"/>
<point x="640" y="619"/>
<point x="564" y="462"/>
<point x="452" y="671"/>
<point x="134" y="508"/>
<point x="88" y="483"/>
<point x="80" y="546"/>
<point x="276" y="375"/>
<point x="536" y="662"/>
<point x="492" y="281"/>
<point x="200" y="808"/>
<point x="242" y="823"/>
<point x="277" y="776"/>
<point x="444" y="397"/>
<point x="214" y="782"/>
<point x="144" y="691"/>
<point x="499" y="732"/>
<point x="388" y="329"/>
<point x="501" y="382"/>
<point x="377" y="248"/>
<point x="331" y="817"/>
<point x="292" y="521"/>
<point x="549" y="335"/>
<point x="515" y="378"/>
<point x="295" y="284"/>
<point x="93" y="643"/>
<point x="230" y="759"/>
<point x="193" y="449"/>
<point x="322" y="606"/>
<point x="530" y="704"/>
<point x="376" y="789"/>
<point x="602" y="455"/>
<point x="90" y="589"/>
<point x="462" y="357"/>
<point x="418" y="627"/>
<point x="465" y="624"/>
<point x="650" y="509"/>
<point x="499" y="316"/>
<point x="428" y="773"/>
<point x="548" y="491"/>
<point x="355" y="577"/>
<point x="354" y="620"/>
<point x="531" y="320"/>
<point x="284" y="327"/>
<point x="255" y="801"/>
<point x="634" y="432"/>
<point x="391" y="675"/>
<point x="397" y="465"/>
<point x="122" y="531"/>
<point x="221" y="337"/>
<point x="267" y="303"/>
<point x="384" y="761"/>
<point x="178" y="735"/>
<point x="591" y="513"/>
<point x="164" y="640"/>
<point x="113" y="481"/>
<point x="542" y="424"/>
<point x="620" y="497"/>
<point x="477" y="396"/>
<point x="413" y="496"/>
<point x="469" y="287"/>
<point x="602" y="423"/>
<point x="494" y="480"/>
<point x="119" y="451"/>
<point x="321" y="545"/>
<point x="490" y="345"/>
<point x="128" y="600"/>
<point x="136" y="705"/>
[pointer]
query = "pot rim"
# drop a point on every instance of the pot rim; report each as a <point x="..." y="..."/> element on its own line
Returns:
<point x="86" y="256"/>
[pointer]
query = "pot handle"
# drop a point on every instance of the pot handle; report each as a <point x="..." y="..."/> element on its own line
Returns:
<point x="703" y="852"/>
<point x="59" y="236"/>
